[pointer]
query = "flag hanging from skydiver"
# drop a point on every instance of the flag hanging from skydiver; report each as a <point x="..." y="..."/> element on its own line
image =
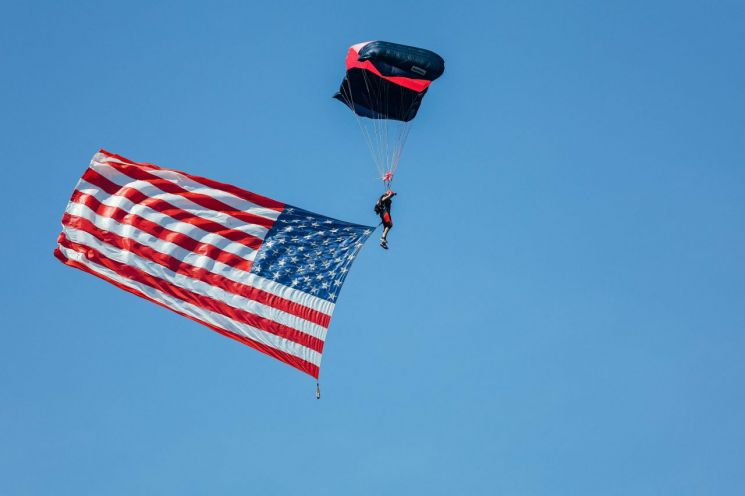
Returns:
<point x="254" y="269"/>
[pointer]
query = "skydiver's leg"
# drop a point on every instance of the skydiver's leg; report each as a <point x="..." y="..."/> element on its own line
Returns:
<point x="387" y="225"/>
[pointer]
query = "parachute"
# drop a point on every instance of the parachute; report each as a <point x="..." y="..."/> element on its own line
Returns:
<point x="384" y="87"/>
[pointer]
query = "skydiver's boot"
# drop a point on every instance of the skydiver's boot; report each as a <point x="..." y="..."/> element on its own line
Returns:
<point x="384" y="243"/>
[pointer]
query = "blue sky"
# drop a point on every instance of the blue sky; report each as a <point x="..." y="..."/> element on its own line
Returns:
<point x="562" y="308"/>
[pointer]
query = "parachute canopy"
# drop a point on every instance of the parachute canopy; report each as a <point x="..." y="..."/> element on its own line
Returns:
<point x="387" y="80"/>
<point x="384" y="86"/>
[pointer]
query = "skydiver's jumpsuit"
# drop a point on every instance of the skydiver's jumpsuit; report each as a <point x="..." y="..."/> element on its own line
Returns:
<point x="385" y="211"/>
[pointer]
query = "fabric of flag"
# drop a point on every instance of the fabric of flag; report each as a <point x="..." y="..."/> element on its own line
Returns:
<point x="254" y="269"/>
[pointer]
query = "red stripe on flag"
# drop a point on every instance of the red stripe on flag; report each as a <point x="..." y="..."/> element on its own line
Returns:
<point x="206" y="201"/>
<point x="298" y="363"/>
<point x="201" y="301"/>
<point x="161" y="232"/>
<point x="201" y="274"/>
<point x="259" y="200"/>
<point x="162" y="206"/>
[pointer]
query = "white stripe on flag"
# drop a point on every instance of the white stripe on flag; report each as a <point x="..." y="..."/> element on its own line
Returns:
<point x="202" y="261"/>
<point x="166" y="247"/>
<point x="212" y="318"/>
<point x="199" y="287"/>
<point x="162" y="220"/>
<point x="152" y="191"/>
<point x="190" y="185"/>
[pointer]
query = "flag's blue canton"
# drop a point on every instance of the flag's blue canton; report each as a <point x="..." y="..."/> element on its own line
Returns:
<point x="310" y="252"/>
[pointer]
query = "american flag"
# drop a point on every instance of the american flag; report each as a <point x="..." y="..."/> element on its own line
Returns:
<point x="254" y="269"/>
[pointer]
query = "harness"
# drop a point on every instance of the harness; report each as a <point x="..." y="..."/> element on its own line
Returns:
<point x="379" y="208"/>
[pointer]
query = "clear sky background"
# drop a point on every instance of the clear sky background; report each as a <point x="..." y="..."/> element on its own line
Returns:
<point x="562" y="311"/>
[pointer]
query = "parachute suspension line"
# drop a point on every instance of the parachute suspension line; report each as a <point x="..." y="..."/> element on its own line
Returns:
<point x="403" y="135"/>
<point x="402" y="131"/>
<point x="363" y="128"/>
<point x="387" y="143"/>
<point x="379" y="126"/>
<point x="386" y="126"/>
<point x="375" y="124"/>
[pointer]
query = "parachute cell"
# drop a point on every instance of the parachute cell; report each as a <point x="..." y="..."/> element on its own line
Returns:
<point x="388" y="81"/>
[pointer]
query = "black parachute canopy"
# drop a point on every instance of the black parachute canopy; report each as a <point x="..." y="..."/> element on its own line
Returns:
<point x="387" y="80"/>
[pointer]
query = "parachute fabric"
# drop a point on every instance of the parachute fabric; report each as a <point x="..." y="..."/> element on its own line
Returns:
<point x="384" y="86"/>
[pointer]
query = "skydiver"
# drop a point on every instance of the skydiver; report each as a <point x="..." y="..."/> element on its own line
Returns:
<point x="383" y="208"/>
